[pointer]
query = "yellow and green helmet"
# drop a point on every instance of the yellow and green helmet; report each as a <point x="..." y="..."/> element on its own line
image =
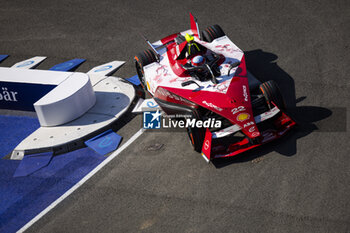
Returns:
<point x="189" y="38"/>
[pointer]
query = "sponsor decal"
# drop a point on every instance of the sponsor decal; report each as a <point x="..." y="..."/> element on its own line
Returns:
<point x="267" y="115"/>
<point x="27" y="63"/>
<point x="255" y="134"/>
<point x="252" y="129"/>
<point x="151" y="104"/>
<point x="151" y="120"/>
<point x="245" y="93"/>
<point x="271" y="112"/>
<point x="222" y="87"/>
<point x="226" y="47"/>
<point x="243" y="116"/>
<point x="238" y="109"/>
<point x="162" y="69"/>
<point x="206" y="145"/>
<point x="105" y="142"/>
<point x="212" y="105"/>
<point x="103" y="68"/>
<point x="6" y="95"/>
<point x="248" y="124"/>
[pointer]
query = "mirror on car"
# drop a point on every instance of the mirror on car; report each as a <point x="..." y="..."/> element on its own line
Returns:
<point x="189" y="83"/>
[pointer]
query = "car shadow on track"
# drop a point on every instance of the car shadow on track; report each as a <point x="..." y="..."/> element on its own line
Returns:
<point x="263" y="66"/>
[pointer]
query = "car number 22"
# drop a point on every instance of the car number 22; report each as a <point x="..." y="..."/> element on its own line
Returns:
<point x="238" y="109"/>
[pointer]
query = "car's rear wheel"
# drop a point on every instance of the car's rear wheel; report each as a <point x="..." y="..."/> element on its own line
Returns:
<point x="142" y="59"/>
<point x="272" y="93"/>
<point x="196" y="136"/>
<point x="212" y="33"/>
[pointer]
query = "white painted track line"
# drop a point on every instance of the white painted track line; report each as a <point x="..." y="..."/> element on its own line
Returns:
<point x="82" y="181"/>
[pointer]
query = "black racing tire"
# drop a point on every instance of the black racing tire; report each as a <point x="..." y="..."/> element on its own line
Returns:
<point x="272" y="93"/>
<point x="212" y="32"/>
<point x="142" y="59"/>
<point x="196" y="136"/>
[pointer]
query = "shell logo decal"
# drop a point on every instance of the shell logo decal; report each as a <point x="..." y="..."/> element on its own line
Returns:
<point x="243" y="116"/>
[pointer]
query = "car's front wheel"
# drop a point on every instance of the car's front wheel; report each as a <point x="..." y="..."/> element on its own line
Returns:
<point x="272" y="93"/>
<point x="142" y="59"/>
<point x="213" y="32"/>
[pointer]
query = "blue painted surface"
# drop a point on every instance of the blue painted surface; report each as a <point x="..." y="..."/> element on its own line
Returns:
<point x="22" y="198"/>
<point x="68" y="65"/>
<point x="32" y="163"/>
<point x="3" y="57"/>
<point x="104" y="143"/>
<point x="13" y="130"/>
<point x="134" y="80"/>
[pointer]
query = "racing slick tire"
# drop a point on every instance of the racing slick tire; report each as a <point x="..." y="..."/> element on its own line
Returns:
<point x="212" y="32"/>
<point x="142" y="59"/>
<point x="196" y="136"/>
<point x="272" y="93"/>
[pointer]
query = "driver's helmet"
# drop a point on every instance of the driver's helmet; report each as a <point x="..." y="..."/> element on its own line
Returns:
<point x="198" y="60"/>
<point x="189" y="38"/>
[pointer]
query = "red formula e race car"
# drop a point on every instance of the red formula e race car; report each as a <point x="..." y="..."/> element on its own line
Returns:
<point x="205" y="76"/>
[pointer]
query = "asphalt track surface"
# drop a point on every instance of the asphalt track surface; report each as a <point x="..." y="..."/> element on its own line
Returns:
<point x="298" y="184"/>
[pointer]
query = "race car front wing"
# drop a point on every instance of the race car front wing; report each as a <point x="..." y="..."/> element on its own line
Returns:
<point x="282" y="124"/>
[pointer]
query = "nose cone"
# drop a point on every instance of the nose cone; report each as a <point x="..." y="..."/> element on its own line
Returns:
<point x="238" y="93"/>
